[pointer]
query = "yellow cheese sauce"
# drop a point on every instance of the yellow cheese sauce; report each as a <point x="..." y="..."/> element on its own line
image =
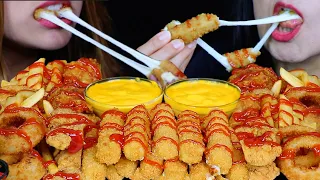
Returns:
<point x="123" y="94"/>
<point x="202" y="96"/>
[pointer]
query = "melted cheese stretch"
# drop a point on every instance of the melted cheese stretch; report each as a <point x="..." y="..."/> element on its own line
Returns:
<point x="124" y="92"/>
<point x="202" y="96"/>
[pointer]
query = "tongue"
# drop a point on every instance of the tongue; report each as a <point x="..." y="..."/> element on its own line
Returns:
<point x="291" y="23"/>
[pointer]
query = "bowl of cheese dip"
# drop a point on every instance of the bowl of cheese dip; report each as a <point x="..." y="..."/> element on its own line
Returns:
<point x="202" y="95"/>
<point x="123" y="93"/>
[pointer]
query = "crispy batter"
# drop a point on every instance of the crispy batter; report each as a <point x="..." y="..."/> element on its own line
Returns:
<point x="241" y="58"/>
<point x="125" y="167"/>
<point x="268" y="172"/>
<point x="91" y="169"/>
<point x="194" y="28"/>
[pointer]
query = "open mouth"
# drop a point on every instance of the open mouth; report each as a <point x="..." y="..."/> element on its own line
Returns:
<point x="287" y="30"/>
<point x="53" y="7"/>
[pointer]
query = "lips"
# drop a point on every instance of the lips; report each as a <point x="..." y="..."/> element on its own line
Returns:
<point x="287" y="30"/>
<point x="54" y="6"/>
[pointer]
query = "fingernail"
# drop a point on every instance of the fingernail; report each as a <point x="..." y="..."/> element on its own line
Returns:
<point x="177" y="44"/>
<point x="192" y="45"/>
<point x="164" y="35"/>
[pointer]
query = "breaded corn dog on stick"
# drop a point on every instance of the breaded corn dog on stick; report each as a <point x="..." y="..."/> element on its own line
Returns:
<point x="242" y="57"/>
<point x="174" y="170"/>
<point x="125" y="167"/>
<point x="164" y="131"/>
<point x="91" y="169"/>
<point x="194" y="28"/>
<point x="110" y="140"/>
<point x="150" y="168"/>
<point x="219" y="146"/>
<point x="137" y="134"/>
<point x="191" y="145"/>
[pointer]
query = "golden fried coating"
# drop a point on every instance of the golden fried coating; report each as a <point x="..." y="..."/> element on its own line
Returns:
<point x="112" y="173"/>
<point x="191" y="145"/>
<point x="164" y="128"/>
<point x="91" y="169"/>
<point x="137" y="134"/>
<point x="268" y="172"/>
<point x="125" y="167"/>
<point x="11" y="159"/>
<point x="241" y="58"/>
<point x="200" y="171"/>
<point x="110" y="133"/>
<point x="69" y="162"/>
<point x="29" y="167"/>
<point x="151" y="167"/>
<point x="194" y="28"/>
<point x="174" y="170"/>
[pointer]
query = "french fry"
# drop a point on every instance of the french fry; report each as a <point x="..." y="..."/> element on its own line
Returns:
<point x="291" y="79"/>
<point x="47" y="107"/>
<point x="285" y="112"/>
<point x="46" y="155"/>
<point x="34" y="99"/>
<point x="277" y="88"/>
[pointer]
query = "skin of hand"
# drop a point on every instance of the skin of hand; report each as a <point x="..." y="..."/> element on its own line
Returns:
<point x="161" y="47"/>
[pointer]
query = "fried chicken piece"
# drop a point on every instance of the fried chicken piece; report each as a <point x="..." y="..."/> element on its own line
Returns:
<point x="260" y="145"/>
<point x="69" y="162"/>
<point x="268" y="172"/>
<point x="11" y="159"/>
<point x="253" y="77"/>
<point x="69" y="97"/>
<point x="194" y="28"/>
<point x="82" y="72"/>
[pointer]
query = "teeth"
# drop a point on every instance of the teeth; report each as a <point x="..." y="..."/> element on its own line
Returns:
<point x="284" y="29"/>
<point x="55" y="7"/>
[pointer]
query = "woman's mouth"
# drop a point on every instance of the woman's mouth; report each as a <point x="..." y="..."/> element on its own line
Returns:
<point x="287" y="30"/>
<point x="53" y="6"/>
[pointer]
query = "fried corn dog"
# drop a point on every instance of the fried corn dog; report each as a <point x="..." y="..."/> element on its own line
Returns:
<point x="164" y="131"/>
<point x="174" y="170"/>
<point x="91" y="169"/>
<point x="137" y="134"/>
<point x="150" y="168"/>
<point x="191" y="145"/>
<point x="194" y="28"/>
<point x="110" y="140"/>
<point x="242" y="57"/>
<point x="219" y="146"/>
<point x="125" y="167"/>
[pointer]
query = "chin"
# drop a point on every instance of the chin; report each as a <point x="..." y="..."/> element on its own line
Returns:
<point x="55" y="41"/>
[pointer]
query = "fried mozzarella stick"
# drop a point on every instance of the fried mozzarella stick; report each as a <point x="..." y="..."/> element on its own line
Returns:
<point x="242" y="57"/>
<point x="200" y="171"/>
<point x="91" y="168"/>
<point x="219" y="146"/>
<point x="125" y="167"/>
<point x="174" y="170"/>
<point x="137" y="134"/>
<point x="194" y="28"/>
<point x="150" y="168"/>
<point x="164" y="131"/>
<point x="191" y="145"/>
<point x="110" y="140"/>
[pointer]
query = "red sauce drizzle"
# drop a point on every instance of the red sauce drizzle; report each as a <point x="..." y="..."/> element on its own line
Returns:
<point x="66" y="176"/>
<point x="76" y="136"/>
<point x="48" y="163"/>
<point x="207" y="151"/>
<point x="80" y="119"/>
<point x="165" y="139"/>
<point x="251" y="141"/>
<point x="114" y="112"/>
<point x="7" y="132"/>
<point x="153" y="163"/>
<point x="118" y="138"/>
